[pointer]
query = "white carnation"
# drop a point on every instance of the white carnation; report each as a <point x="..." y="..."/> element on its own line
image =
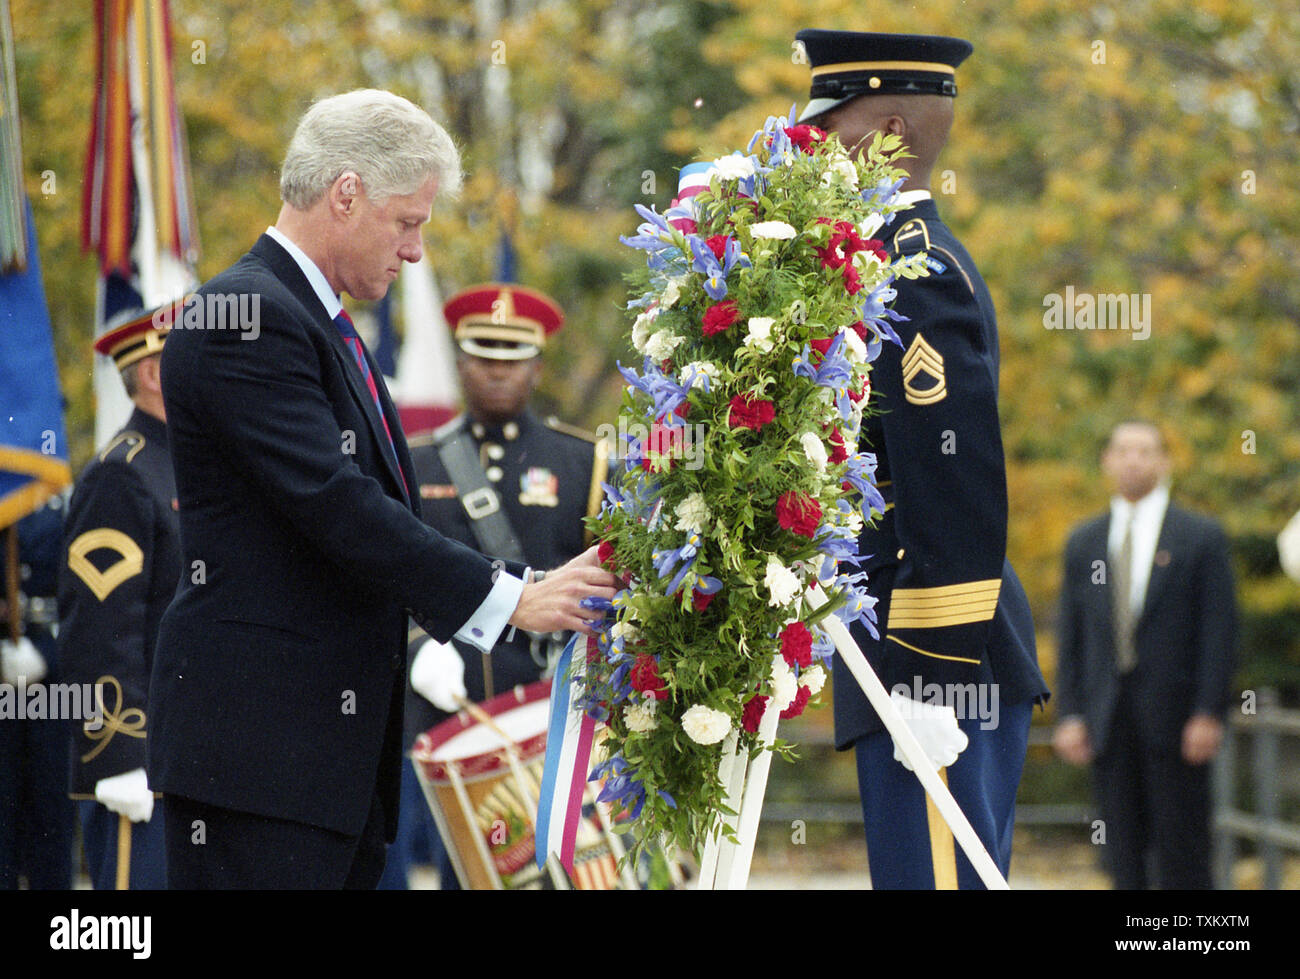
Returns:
<point x="733" y="167"/>
<point x="625" y="630"/>
<point x="642" y="327"/>
<point x="814" y="678"/>
<point x="704" y="725"/>
<point x="815" y="449"/>
<point x="772" y="229"/>
<point x="641" y="717"/>
<point x="702" y="369"/>
<point x="661" y="345"/>
<point x="784" y="684"/>
<point x="843" y="172"/>
<point x="760" y="333"/>
<point x="854" y="347"/>
<point x="853" y="520"/>
<point x="693" y="514"/>
<point x="781" y="582"/>
<point x="867" y="261"/>
<point x="672" y="292"/>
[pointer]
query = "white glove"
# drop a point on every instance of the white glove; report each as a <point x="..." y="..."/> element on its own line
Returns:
<point x="935" y="726"/>
<point x="1288" y="548"/>
<point x="128" y="794"/>
<point x="21" y="659"/>
<point x="438" y="675"/>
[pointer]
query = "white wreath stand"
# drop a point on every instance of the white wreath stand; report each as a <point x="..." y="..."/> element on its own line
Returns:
<point x="725" y="864"/>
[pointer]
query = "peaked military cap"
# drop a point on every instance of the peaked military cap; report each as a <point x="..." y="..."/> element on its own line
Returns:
<point x="134" y="335"/>
<point x="846" y="64"/>
<point x="502" y="322"/>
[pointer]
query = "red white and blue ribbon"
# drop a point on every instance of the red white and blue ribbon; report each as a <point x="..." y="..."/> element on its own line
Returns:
<point x="568" y="756"/>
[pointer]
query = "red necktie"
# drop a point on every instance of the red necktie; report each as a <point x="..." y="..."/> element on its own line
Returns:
<point x="350" y="336"/>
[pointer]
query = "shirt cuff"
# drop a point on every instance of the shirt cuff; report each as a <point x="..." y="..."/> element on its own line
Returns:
<point x="489" y="620"/>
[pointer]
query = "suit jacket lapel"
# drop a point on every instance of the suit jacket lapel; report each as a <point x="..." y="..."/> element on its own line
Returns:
<point x="1163" y="559"/>
<point x="287" y="271"/>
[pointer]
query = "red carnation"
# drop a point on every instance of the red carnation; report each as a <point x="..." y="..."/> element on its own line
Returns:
<point x="852" y="280"/>
<point x="804" y="136"/>
<point x="839" y="451"/>
<point x="877" y="248"/>
<point x="702" y="600"/>
<point x="799" y="513"/>
<point x="860" y="330"/>
<point x="796" y="645"/>
<point x="720" y="316"/>
<point x="746" y="413"/>
<point x="718" y="245"/>
<point x="753" y="713"/>
<point x="605" y="554"/>
<point x="645" y="677"/>
<point x="798" y="704"/>
<point x="821" y="345"/>
<point x="663" y="445"/>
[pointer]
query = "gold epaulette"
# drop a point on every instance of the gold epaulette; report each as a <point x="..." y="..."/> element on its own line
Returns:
<point x="580" y="433"/>
<point x="132" y="438"/>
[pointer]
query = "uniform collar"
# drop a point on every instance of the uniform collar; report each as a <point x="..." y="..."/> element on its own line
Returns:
<point x="909" y="198"/>
<point x="147" y="425"/>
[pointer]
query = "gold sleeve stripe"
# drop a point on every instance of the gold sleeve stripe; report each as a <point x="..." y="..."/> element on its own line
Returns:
<point x="957" y="601"/>
<point x="938" y="620"/>
<point x="925" y="652"/>
<point x="971" y="589"/>
<point x="599" y="472"/>
<point x="940" y="611"/>
<point x="129" y="564"/>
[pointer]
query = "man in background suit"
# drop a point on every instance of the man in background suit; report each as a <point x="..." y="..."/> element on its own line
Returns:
<point x="1147" y="630"/>
<point x="277" y="688"/>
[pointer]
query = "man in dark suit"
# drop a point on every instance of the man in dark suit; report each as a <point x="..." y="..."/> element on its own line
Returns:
<point x="276" y="695"/>
<point x="1147" y="633"/>
<point x="956" y="647"/>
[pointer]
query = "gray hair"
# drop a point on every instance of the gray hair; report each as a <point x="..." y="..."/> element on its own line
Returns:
<point x="391" y="144"/>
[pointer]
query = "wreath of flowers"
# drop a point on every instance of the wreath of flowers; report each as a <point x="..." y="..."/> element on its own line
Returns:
<point x="759" y="312"/>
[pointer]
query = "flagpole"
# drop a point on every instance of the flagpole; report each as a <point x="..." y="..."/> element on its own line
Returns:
<point x="906" y="742"/>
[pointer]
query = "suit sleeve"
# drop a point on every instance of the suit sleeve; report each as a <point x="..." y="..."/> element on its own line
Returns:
<point x="1217" y="633"/>
<point x="1069" y="645"/>
<point x="103" y="595"/>
<point x="942" y="438"/>
<point x="264" y="405"/>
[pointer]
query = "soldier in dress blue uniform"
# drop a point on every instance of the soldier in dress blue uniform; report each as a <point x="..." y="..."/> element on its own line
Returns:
<point x="121" y="565"/>
<point x="521" y="491"/>
<point x="956" y="647"/>
<point x="36" y="817"/>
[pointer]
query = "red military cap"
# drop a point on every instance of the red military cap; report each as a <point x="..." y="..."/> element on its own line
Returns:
<point x="502" y="322"/>
<point x="136" y="334"/>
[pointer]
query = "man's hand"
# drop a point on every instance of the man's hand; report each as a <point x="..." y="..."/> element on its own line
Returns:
<point x="935" y="726"/>
<point x="438" y="675"/>
<point x="128" y="794"/>
<point x="21" y="659"/>
<point x="1202" y="735"/>
<point x="1070" y="739"/>
<point x="553" y="604"/>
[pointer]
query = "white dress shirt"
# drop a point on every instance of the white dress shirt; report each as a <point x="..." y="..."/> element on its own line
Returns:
<point x="490" y="619"/>
<point x="1148" y="515"/>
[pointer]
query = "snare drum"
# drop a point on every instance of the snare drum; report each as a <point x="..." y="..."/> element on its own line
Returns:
<point x="483" y="789"/>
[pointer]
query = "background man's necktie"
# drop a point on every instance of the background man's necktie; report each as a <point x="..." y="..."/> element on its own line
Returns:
<point x="1125" y="613"/>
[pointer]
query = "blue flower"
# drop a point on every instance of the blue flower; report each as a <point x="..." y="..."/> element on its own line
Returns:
<point x="666" y="561"/>
<point x="715" y="273"/>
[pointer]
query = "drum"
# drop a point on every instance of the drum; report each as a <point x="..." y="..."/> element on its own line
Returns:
<point x="482" y="777"/>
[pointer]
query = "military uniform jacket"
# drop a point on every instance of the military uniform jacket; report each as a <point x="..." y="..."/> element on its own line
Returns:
<point x="951" y="610"/>
<point x="547" y="477"/>
<point x="121" y="560"/>
<point x="277" y="681"/>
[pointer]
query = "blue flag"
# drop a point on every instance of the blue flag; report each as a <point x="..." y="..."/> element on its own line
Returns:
<point x="33" y="448"/>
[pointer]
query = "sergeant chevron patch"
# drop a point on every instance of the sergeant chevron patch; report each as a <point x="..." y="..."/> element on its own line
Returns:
<point x="921" y="358"/>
